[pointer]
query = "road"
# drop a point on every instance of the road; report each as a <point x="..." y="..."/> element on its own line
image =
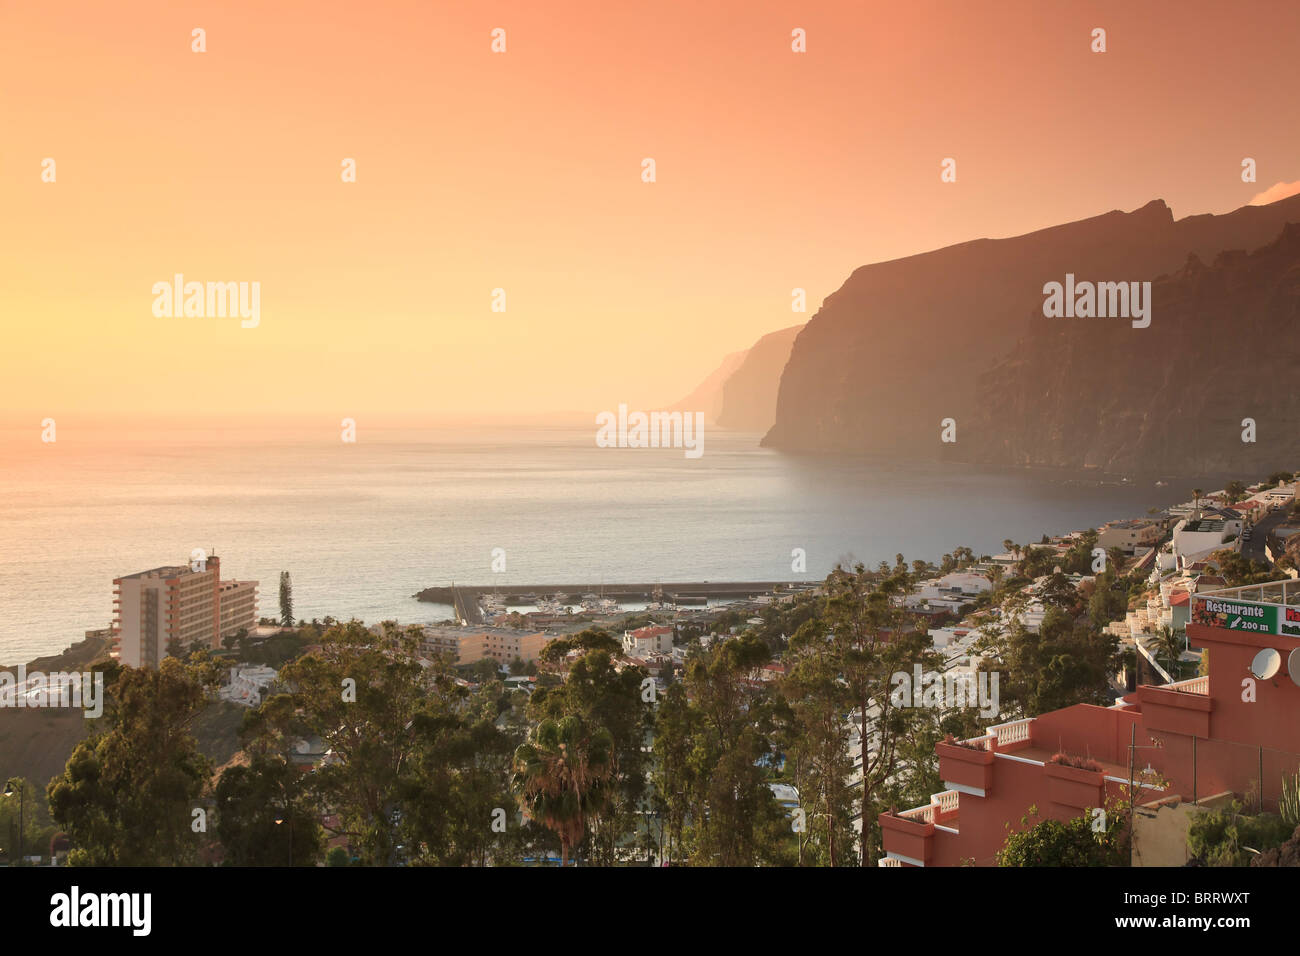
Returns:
<point x="1254" y="548"/>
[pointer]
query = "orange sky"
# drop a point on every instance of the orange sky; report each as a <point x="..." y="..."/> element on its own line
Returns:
<point x="522" y="171"/>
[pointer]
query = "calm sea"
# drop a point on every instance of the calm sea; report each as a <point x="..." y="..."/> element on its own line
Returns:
<point x="361" y="527"/>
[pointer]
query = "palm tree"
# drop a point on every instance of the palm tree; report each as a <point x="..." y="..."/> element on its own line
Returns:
<point x="562" y="775"/>
<point x="1169" y="646"/>
<point x="1196" y="493"/>
<point x="1116" y="556"/>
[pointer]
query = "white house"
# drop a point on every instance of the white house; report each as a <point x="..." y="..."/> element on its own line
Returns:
<point x="645" y="641"/>
<point x="1194" y="539"/>
<point x="247" y="685"/>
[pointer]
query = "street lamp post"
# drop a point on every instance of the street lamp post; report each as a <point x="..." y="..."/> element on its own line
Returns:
<point x="22" y="796"/>
<point x="280" y="820"/>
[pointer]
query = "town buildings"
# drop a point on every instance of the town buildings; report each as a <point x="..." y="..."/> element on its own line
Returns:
<point x="467" y="645"/>
<point x="1130" y="535"/>
<point x="178" y="607"/>
<point x="248" y="685"/>
<point x="1195" y="538"/>
<point x="648" y="641"/>
<point x="949" y="593"/>
<point x="1168" y="749"/>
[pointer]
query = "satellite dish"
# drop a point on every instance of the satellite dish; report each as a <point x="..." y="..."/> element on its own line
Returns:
<point x="1266" y="663"/>
<point x="1293" y="665"/>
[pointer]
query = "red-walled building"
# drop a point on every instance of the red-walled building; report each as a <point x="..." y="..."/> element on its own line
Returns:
<point x="1236" y="730"/>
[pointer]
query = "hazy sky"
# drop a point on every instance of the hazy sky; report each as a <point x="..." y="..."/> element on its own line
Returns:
<point x="522" y="170"/>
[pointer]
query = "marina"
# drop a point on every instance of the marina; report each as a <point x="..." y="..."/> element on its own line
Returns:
<point x="476" y="603"/>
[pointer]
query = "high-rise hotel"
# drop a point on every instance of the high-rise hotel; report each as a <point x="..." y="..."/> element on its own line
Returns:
<point x="178" y="606"/>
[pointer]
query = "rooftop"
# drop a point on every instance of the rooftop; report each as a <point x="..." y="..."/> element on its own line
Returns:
<point x="1282" y="593"/>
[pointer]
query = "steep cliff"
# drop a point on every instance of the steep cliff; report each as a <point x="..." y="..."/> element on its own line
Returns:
<point x="741" y="392"/>
<point x="749" y="395"/>
<point x="707" y="396"/>
<point x="1223" y="346"/>
<point x="902" y="344"/>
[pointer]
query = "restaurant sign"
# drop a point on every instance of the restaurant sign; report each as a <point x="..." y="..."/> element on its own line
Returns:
<point x="1244" y="616"/>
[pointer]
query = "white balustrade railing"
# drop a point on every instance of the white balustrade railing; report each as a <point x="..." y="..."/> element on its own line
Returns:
<point x="1013" y="733"/>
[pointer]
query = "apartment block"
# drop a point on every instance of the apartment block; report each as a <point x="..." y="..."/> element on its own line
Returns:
<point x="238" y="607"/>
<point x="1128" y="536"/>
<point x="468" y="645"/>
<point x="178" y="606"/>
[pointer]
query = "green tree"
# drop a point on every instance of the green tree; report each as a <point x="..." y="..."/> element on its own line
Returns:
<point x="127" y="794"/>
<point x="1169" y="647"/>
<point x="1087" y="840"/>
<point x="458" y="790"/>
<point x="817" y="746"/>
<point x="22" y="806"/>
<point x="592" y="639"/>
<point x="286" y="600"/>
<point x="612" y="696"/>
<point x="417" y="763"/>
<point x="872" y="639"/>
<point x="1226" y="836"/>
<point x="562" y="775"/>
<point x="1109" y="599"/>
<point x="675" y="777"/>
<point x="1239" y="570"/>
<point x="1058" y="592"/>
<point x="361" y="695"/>
<point x="734" y="819"/>
<point x="266" y="816"/>
<point x="1065" y="662"/>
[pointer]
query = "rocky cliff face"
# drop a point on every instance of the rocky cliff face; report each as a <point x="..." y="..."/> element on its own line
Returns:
<point x="1223" y="346"/>
<point x="741" y="392"/>
<point x="707" y="396"/>
<point x="902" y="345"/>
<point x="749" y="395"/>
